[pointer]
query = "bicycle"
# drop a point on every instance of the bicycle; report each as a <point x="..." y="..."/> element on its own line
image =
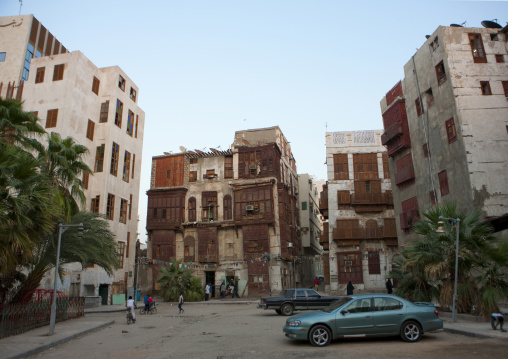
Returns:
<point x="152" y="310"/>
<point x="129" y="317"/>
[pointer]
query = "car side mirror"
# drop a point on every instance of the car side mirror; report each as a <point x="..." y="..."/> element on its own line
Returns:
<point x="343" y="311"/>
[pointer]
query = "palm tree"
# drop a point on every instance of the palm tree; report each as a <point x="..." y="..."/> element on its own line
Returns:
<point x="430" y="261"/>
<point x="63" y="163"/>
<point x="175" y="279"/>
<point x="97" y="246"/>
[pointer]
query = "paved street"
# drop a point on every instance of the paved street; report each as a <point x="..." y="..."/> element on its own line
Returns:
<point x="243" y="331"/>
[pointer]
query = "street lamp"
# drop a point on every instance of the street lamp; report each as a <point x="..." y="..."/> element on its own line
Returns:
<point x="61" y="229"/>
<point x="440" y="229"/>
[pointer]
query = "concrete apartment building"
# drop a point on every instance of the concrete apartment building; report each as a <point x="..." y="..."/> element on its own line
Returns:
<point x="446" y="126"/>
<point x="228" y="214"/>
<point x="98" y="108"/>
<point x="311" y="228"/>
<point x="359" y="238"/>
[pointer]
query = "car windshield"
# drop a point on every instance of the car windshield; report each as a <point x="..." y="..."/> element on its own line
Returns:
<point x="337" y="304"/>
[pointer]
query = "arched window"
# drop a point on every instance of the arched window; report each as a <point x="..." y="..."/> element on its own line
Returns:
<point x="228" y="207"/>
<point x="192" y="210"/>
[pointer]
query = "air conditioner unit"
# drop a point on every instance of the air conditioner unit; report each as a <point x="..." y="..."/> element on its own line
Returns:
<point x="249" y="208"/>
<point x="252" y="167"/>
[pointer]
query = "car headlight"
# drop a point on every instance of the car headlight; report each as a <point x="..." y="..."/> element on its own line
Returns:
<point x="293" y="323"/>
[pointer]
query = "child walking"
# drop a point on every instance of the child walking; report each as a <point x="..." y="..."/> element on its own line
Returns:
<point x="180" y="303"/>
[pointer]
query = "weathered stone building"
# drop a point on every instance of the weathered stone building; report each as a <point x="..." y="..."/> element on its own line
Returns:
<point x="98" y="108"/>
<point x="446" y="126"/>
<point x="228" y="213"/>
<point x="359" y="237"/>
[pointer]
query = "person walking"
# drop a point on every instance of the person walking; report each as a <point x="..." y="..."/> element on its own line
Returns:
<point x="130" y="305"/>
<point x="235" y="289"/>
<point x="180" y="303"/>
<point x="207" y="291"/>
<point x="316" y="283"/>
<point x="222" y="290"/>
<point x="349" y="288"/>
<point x="389" y="286"/>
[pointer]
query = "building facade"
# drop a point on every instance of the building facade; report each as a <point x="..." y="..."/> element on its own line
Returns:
<point x="228" y="214"/>
<point x="311" y="228"/>
<point x="359" y="238"/>
<point x="98" y="108"/>
<point x="446" y="126"/>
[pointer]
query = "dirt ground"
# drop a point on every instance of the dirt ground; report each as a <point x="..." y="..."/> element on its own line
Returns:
<point x="245" y="332"/>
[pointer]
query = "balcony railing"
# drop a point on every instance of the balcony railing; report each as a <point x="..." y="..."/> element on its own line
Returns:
<point x="357" y="233"/>
<point x="348" y="233"/>
<point x="404" y="175"/>
<point x="391" y="133"/>
<point x="371" y="198"/>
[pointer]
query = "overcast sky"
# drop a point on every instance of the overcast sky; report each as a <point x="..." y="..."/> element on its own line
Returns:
<point x="206" y="69"/>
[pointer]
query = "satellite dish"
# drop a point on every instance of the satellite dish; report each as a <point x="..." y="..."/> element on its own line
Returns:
<point x="491" y="24"/>
<point x="183" y="149"/>
<point x="456" y="25"/>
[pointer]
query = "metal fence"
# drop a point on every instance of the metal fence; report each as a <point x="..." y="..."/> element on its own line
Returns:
<point x="20" y="318"/>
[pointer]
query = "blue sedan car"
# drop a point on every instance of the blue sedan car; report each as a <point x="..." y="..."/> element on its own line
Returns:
<point x="364" y="316"/>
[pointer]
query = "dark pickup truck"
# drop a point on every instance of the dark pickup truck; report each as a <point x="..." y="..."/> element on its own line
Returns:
<point x="290" y="300"/>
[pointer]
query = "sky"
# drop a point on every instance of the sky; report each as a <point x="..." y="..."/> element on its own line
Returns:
<point x="208" y="68"/>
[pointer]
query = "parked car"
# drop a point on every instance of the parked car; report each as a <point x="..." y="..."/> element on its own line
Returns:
<point x="290" y="300"/>
<point x="364" y="316"/>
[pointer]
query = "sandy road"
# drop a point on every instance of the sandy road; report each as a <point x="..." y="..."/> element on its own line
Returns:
<point x="243" y="331"/>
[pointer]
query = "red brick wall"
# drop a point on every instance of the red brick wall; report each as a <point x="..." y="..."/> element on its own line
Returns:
<point x="175" y="165"/>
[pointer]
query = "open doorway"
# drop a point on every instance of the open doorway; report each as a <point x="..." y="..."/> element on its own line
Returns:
<point x="210" y="278"/>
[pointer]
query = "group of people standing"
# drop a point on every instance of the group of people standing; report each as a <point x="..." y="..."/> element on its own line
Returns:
<point x="224" y="290"/>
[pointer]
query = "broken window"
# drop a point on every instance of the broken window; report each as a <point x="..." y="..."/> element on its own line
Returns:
<point x="115" y="151"/>
<point x="430" y="97"/>
<point x="39" y="76"/>
<point x="365" y="165"/>
<point x="104" y="112"/>
<point x="419" y="107"/>
<point x="209" y="206"/>
<point x="228" y="167"/>
<point x="133" y="95"/>
<point x="121" y="83"/>
<point x="99" y="158"/>
<point x="443" y="183"/>
<point x="475" y="40"/>
<point x="123" y="211"/>
<point x="130" y="122"/>
<point x="126" y="166"/>
<point x="434" y="44"/>
<point x="485" y="86"/>
<point x="440" y="73"/>
<point x="118" y="114"/>
<point x="95" y="85"/>
<point x="450" y="130"/>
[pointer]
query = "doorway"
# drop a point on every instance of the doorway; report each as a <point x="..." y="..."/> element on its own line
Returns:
<point x="210" y="278"/>
<point x="103" y="293"/>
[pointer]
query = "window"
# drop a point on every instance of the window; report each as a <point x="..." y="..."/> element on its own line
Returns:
<point x="121" y="251"/>
<point x="130" y="122"/>
<point x="28" y="58"/>
<point x="133" y="95"/>
<point x="136" y="127"/>
<point x="340" y="166"/>
<point x="475" y="40"/>
<point x="365" y="166"/>
<point x="58" y="72"/>
<point x="193" y="161"/>
<point x="128" y="244"/>
<point x="209" y="206"/>
<point x="359" y="306"/>
<point x="104" y="112"/>
<point x="228" y="208"/>
<point x="443" y="183"/>
<point x="430" y="97"/>
<point x="374" y="263"/>
<point x="193" y="176"/>
<point x="425" y="148"/>
<point x="110" y="210"/>
<point x="94" y="208"/>
<point x="434" y="44"/>
<point x="114" y="159"/>
<point x="126" y="166"/>
<point x="90" y="130"/>
<point x="39" y="76"/>
<point x="192" y="210"/>
<point x="51" y="118"/>
<point x="386" y="167"/>
<point x="133" y="164"/>
<point x="494" y="37"/>
<point x="485" y="86"/>
<point x="367" y="186"/>
<point x="210" y="174"/>
<point x="228" y="167"/>
<point x="419" y="107"/>
<point x="450" y="130"/>
<point x="304" y="206"/>
<point x="130" y="206"/>
<point x="86" y="177"/>
<point x="2" y="56"/>
<point x="95" y="85"/>
<point x="123" y="211"/>
<point x="118" y="114"/>
<point x="121" y="83"/>
<point x="386" y="303"/>
<point x="505" y="87"/>
<point x="440" y="73"/>
<point x="99" y="158"/>
<point x="499" y="58"/>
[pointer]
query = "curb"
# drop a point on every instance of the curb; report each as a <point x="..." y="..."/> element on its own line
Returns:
<point x="466" y="333"/>
<point x="42" y="348"/>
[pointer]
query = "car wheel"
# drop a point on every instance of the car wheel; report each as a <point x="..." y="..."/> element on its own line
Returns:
<point x="287" y="309"/>
<point x="320" y="336"/>
<point x="278" y="311"/>
<point x="411" y="331"/>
